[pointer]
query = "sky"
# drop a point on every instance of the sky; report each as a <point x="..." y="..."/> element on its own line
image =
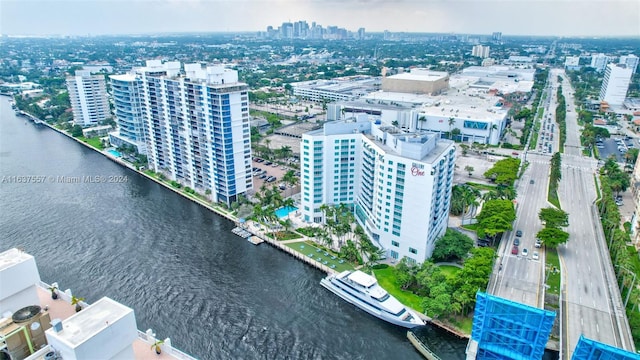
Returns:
<point x="511" y="17"/>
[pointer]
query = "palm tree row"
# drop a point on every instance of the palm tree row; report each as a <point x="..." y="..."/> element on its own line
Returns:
<point x="353" y="243"/>
<point x="463" y="196"/>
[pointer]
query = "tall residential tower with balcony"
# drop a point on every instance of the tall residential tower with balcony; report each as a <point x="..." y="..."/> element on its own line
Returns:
<point x="195" y="124"/>
<point x="615" y="84"/>
<point x="398" y="183"/>
<point x="88" y="97"/>
<point x="128" y="101"/>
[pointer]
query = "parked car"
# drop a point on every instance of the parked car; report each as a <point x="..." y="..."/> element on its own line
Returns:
<point x="538" y="243"/>
<point x="525" y="252"/>
<point x="514" y="250"/>
<point x="516" y="242"/>
<point x="519" y="233"/>
<point x="535" y="255"/>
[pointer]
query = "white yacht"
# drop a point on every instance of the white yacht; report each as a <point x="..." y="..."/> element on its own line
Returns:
<point x="363" y="291"/>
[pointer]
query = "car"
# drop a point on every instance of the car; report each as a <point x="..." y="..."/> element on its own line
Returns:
<point x="519" y="233"/>
<point x="538" y="243"/>
<point x="268" y="163"/>
<point x="514" y="250"/>
<point x="535" y="255"/>
<point x="516" y="241"/>
<point x="262" y="176"/>
<point x="525" y="252"/>
<point x="531" y="182"/>
<point x="258" y="160"/>
<point x="515" y="153"/>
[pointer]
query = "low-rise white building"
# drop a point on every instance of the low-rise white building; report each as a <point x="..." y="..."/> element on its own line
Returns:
<point x="335" y="89"/>
<point x="398" y="183"/>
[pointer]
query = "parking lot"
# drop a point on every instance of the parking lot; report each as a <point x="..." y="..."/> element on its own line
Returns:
<point x="616" y="147"/>
<point x="274" y="170"/>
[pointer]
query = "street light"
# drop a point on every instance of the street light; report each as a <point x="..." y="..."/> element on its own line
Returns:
<point x="631" y="287"/>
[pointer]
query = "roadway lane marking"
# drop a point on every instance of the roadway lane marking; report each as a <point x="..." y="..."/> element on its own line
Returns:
<point x="598" y="328"/>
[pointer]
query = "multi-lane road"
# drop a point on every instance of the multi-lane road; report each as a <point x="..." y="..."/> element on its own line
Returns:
<point x="591" y="299"/>
<point x="521" y="277"/>
<point x="591" y="304"/>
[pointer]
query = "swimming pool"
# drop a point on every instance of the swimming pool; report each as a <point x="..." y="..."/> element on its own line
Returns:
<point x="284" y="211"/>
<point x="114" y="153"/>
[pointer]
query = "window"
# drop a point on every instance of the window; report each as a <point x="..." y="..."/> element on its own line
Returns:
<point x="394" y="254"/>
<point x="413" y="251"/>
<point x="395" y="243"/>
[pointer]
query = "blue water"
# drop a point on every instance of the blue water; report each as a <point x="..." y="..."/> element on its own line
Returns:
<point x="114" y="153"/>
<point x="284" y="211"/>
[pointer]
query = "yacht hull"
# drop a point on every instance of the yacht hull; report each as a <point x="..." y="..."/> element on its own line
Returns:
<point x="326" y="283"/>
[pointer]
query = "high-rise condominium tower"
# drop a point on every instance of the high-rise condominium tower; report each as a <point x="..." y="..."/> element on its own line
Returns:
<point x="88" y="97"/>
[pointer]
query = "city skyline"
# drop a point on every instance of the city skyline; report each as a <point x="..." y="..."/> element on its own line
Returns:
<point x="511" y="17"/>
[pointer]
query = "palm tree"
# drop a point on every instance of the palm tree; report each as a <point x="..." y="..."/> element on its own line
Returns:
<point x="422" y="119"/>
<point x="285" y="151"/>
<point x="491" y="130"/>
<point x="290" y="178"/>
<point x="267" y="142"/>
<point x="452" y="121"/>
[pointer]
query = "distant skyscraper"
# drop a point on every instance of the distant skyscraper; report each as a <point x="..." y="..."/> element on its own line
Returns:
<point x="599" y="61"/>
<point x="88" y="97"/>
<point x="496" y="36"/>
<point x="480" y="51"/>
<point x="361" y="34"/>
<point x="631" y="61"/>
<point x="197" y="126"/>
<point x="615" y="84"/>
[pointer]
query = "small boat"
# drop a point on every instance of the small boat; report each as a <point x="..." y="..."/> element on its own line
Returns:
<point x="363" y="291"/>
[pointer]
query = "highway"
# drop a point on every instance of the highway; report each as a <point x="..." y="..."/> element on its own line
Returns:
<point x="591" y="299"/>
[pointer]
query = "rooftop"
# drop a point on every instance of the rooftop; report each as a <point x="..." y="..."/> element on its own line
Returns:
<point x="420" y="75"/>
<point x="12" y="257"/>
<point x="63" y="310"/>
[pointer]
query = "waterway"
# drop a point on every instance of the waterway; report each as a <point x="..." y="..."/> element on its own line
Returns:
<point x="175" y="263"/>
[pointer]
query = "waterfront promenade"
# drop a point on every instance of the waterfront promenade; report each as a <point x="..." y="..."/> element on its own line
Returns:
<point x="302" y="248"/>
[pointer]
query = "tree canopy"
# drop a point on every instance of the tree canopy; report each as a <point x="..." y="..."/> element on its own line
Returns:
<point x="504" y="172"/>
<point x="453" y="245"/>
<point x="554" y="217"/>
<point x="552" y="237"/>
<point x="496" y="217"/>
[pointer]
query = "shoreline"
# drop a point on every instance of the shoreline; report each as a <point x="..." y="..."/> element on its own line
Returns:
<point x="260" y="234"/>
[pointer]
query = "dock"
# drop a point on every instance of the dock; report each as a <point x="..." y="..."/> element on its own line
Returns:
<point x="241" y="232"/>
<point x="255" y="240"/>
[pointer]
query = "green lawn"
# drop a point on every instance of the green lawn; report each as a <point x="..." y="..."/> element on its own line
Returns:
<point x="448" y="270"/>
<point x="553" y="279"/>
<point x="284" y="235"/>
<point x="386" y="279"/>
<point x="481" y="186"/>
<point x="553" y="196"/>
<point x="95" y="142"/>
<point x="472" y="227"/>
<point x="317" y="253"/>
